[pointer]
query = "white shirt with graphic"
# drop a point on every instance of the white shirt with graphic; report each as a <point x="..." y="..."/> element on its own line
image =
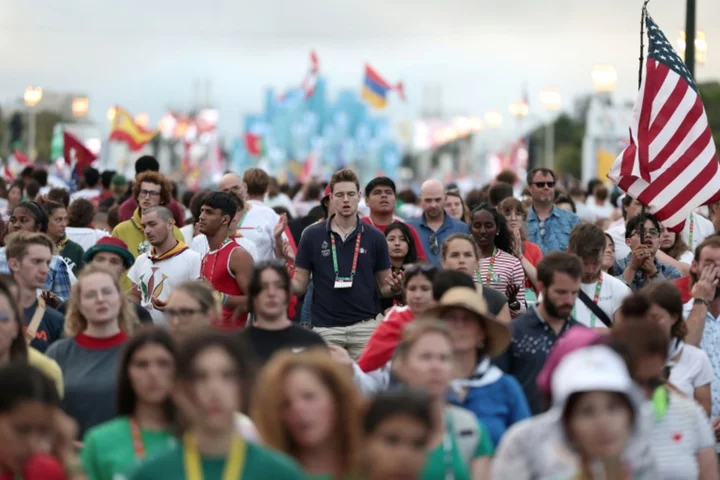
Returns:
<point x="159" y="279"/>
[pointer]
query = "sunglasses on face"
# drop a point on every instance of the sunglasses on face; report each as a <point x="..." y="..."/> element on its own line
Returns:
<point x="544" y="184"/>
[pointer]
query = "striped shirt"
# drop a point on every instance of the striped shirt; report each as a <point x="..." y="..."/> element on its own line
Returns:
<point x="506" y="270"/>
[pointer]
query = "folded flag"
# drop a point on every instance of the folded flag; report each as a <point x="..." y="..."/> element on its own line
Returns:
<point x="73" y="148"/>
<point x="375" y="88"/>
<point x="124" y="129"/>
<point x="671" y="165"/>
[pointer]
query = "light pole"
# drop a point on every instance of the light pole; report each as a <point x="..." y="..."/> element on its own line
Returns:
<point x="701" y="47"/>
<point x="32" y="97"/>
<point x="690" y="34"/>
<point x="551" y="101"/>
<point x="604" y="78"/>
<point x="493" y="119"/>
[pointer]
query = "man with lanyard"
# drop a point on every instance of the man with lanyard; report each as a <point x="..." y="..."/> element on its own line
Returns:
<point x="434" y="226"/>
<point x="350" y="265"/>
<point x="600" y="294"/>
<point x="227" y="266"/>
<point x="642" y="265"/>
<point x="155" y="274"/>
<point x="28" y="256"/>
<point x="257" y="224"/>
<point x="150" y="190"/>
<point x="548" y="226"/>
<point x="380" y="197"/>
<point x="536" y="331"/>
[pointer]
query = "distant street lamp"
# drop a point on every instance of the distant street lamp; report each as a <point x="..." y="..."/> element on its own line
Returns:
<point x="604" y="78"/>
<point x="493" y="119"/>
<point x="519" y="109"/>
<point x="80" y="106"/>
<point x="551" y="101"/>
<point x="701" y="47"/>
<point x="32" y="97"/>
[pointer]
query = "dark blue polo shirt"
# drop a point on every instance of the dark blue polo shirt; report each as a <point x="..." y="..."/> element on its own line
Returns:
<point x="431" y="240"/>
<point x="342" y="307"/>
<point x="532" y="340"/>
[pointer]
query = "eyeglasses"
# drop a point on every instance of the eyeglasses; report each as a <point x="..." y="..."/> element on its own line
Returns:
<point x="542" y="228"/>
<point x="419" y="267"/>
<point x="148" y="193"/>
<point x="652" y="232"/>
<point x="434" y="244"/>
<point x="544" y="184"/>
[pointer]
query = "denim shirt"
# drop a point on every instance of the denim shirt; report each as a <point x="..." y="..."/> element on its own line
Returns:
<point x="432" y="240"/>
<point x="665" y="272"/>
<point x="554" y="232"/>
<point x="58" y="280"/>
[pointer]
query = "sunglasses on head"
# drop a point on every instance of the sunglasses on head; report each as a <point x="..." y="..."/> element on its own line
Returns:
<point x="419" y="267"/>
<point x="434" y="244"/>
<point x="544" y="184"/>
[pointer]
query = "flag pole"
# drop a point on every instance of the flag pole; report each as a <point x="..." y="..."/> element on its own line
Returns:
<point x="643" y="15"/>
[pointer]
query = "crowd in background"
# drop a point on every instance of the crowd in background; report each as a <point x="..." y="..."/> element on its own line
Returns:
<point x="531" y="328"/>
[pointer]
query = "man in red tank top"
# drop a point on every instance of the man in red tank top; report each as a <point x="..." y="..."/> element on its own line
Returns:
<point x="227" y="266"/>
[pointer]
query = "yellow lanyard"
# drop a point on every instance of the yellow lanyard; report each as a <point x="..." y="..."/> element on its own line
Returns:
<point x="233" y="464"/>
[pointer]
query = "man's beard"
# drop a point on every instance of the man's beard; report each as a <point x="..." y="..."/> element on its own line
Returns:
<point x="553" y="309"/>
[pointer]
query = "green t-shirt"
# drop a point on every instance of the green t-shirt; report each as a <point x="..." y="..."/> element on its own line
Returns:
<point x="108" y="453"/>
<point x="260" y="464"/>
<point x="435" y="465"/>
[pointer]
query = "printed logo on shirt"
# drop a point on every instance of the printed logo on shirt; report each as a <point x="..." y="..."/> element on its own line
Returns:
<point x="148" y="287"/>
<point x="143" y="247"/>
<point x="362" y="251"/>
<point x="70" y="264"/>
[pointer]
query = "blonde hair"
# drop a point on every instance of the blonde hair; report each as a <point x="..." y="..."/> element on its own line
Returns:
<point x="75" y="321"/>
<point x="268" y="401"/>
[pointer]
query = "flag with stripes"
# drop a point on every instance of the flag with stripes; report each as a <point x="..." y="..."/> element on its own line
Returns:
<point x="671" y="165"/>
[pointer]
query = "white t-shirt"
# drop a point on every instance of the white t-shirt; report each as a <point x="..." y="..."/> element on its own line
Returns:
<point x="159" y="279"/>
<point x="612" y="293"/>
<point x="201" y="246"/>
<point x="687" y="257"/>
<point x="281" y="200"/>
<point x="599" y="211"/>
<point x="702" y="228"/>
<point x="692" y="370"/>
<point x="85" y="237"/>
<point x="257" y="226"/>
<point x="188" y="231"/>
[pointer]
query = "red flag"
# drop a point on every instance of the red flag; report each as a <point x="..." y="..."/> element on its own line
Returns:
<point x="83" y="156"/>
<point x="671" y="164"/>
<point x="254" y="144"/>
<point x="21" y="158"/>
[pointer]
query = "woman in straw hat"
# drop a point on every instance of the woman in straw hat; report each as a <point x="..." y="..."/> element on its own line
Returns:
<point x="495" y="397"/>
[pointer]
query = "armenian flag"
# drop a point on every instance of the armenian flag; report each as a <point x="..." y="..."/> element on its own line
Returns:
<point x="375" y="88"/>
<point x="124" y="129"/>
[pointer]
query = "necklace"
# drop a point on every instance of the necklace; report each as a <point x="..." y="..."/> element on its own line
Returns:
<point x="215" y="255"/>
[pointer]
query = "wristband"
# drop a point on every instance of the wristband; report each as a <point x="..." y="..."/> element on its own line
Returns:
<point x="225" y="298"/>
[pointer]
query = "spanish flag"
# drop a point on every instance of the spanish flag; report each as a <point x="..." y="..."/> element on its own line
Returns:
<point x="375" y="88"/>
<point x="124" y="129"/>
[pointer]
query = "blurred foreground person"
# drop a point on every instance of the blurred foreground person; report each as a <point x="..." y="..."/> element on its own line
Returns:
<point x="32" y="427"/>
<point x="213" y="376"/>
<point x="99" y="320"/>
<point x="306" y="406"/>
<point x="682" y="439"/>
<point x="144" y="427"/>
<point x="397" y="428"/>
<point x="594" y="430"/>
<point x="191" y="308"/>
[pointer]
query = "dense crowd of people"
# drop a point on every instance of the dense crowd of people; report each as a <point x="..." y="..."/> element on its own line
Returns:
<point x="528" y="329"/>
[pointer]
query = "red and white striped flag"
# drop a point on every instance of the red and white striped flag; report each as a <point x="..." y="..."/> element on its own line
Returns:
<point x="671" y="165"/>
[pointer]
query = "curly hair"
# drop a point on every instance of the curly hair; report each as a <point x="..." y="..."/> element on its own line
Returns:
<point x="503" y="239"/>
<point x="75" y="321"/>
<point x="267" y="405"/>
<point x="158" y="179"/>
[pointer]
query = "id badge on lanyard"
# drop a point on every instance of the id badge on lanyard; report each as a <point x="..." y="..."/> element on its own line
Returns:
<point x="344" y="282"/>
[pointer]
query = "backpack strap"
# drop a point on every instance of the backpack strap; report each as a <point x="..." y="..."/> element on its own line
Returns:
<point x="32" y="327"/>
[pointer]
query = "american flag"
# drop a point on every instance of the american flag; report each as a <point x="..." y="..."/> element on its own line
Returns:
<point x="671" y="165"/>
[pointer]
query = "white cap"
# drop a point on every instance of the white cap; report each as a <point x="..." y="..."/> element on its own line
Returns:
<point x="594" y="368"/>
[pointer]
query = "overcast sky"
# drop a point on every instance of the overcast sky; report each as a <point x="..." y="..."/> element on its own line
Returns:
<point x="144" y="55"/>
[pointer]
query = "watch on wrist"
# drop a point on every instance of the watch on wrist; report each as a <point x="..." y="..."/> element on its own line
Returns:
<point x="698" y="301"/>
<point x="514" y="305"/>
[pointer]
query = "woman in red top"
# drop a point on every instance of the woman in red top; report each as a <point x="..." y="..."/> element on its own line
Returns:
<point x="417" y="291"/>
<point x="32" y="424"/>
<point x="530" y="254"/>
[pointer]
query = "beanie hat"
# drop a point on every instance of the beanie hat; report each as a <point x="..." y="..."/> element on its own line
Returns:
<point x="112" y="245"/>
